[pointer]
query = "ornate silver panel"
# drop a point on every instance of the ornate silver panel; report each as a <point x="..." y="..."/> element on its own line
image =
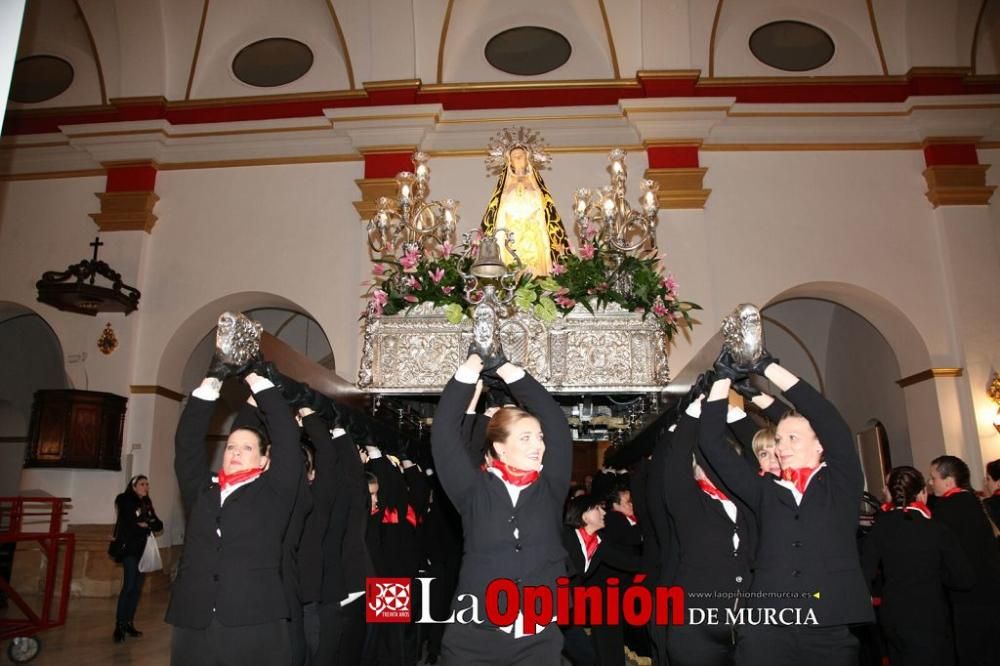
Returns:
<point x="612" y="351"/>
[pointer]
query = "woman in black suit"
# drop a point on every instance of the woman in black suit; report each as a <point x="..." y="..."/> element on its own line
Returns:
<point x="919" y="558"/>
<point x="511" y="508"/>
<point x="228" y="603"/>
<point x="717" y="535"/>
<point x="992" y="488"/>
<point x="136" y="521"/>
<point x="807" y="562"/>
<point x="975" y="612"/>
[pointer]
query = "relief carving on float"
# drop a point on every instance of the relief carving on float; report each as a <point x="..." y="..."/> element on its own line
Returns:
<point x="596" y="319"/>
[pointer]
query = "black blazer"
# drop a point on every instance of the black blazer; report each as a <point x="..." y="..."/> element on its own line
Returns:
<point x="624" y="539"/>
<point x="235" y="577"/>
<point x="918" y="558"/>
<point x="809" y="548"/>
<point x="536" y="556"/>
<point x="291" y="573"/>
<point x="659" y="512"/>
<point x="132" y="510"/>
<point x="707" y="561"/>
<point x="964" y="514"/>
<point x="992" y="505"/>
<point x="336" y="537"/>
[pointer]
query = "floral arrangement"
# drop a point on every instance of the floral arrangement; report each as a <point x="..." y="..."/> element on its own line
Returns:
<point x="594" y="276"/>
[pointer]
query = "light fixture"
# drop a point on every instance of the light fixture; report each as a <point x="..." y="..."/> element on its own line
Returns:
<point x="409" y="223"/>
<point x="490" y="286"/>
<point x="994" y="392"/>
<point x="82" y="295"/>
<point x="604" y="213"/>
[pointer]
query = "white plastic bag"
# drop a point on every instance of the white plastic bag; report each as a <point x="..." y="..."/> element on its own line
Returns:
<point x="150" y="560"/>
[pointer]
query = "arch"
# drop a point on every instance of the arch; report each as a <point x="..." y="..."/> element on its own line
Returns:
<point x="903" y="337"/>
<point x="192" y="330"/>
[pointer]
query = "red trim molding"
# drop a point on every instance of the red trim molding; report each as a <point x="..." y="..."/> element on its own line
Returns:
<point x="875" y="89"/>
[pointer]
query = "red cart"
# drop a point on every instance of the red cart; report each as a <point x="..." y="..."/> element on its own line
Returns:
<point x="44" y="514"/>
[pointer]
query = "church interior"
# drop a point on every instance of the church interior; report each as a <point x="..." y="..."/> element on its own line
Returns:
<point x="829" y="163"/>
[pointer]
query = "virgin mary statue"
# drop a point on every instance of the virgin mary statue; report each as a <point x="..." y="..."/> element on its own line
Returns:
<point x="521" y="203"/>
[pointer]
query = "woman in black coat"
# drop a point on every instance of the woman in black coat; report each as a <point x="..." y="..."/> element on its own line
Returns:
<point x="975" y="612"/>
<point x="228" y="604"/>
<point x="919" y="558"/>
<point x="136" y="521"/>
<point x="717" y="535"/>
<point x="511" y="509"/>
<point x="807" y="565"/>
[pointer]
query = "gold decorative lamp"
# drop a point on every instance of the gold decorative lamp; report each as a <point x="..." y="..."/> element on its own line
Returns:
<point x="994" y="393"/>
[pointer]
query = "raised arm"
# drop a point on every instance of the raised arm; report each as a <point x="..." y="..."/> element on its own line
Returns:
<point x="679" y="486"/>
<point x="558" y="457"/>
<point x="190" y="453"/>
<point x="285" y="471"/>
<point x="839" y="451"/>
<point x="452" y="463"/>
<point x="734" y="472"/>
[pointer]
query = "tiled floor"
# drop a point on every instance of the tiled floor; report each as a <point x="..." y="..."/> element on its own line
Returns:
<point x="85" y="639"/>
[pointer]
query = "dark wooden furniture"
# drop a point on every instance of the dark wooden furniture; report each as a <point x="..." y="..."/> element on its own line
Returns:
<point x="80" y="429"/>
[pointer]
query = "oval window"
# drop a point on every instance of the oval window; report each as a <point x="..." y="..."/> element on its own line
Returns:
<point x="40" y="78"/>
<point x="792" y="46"/>
<point x="528" y="50"/>
<point x="271" y="62"/>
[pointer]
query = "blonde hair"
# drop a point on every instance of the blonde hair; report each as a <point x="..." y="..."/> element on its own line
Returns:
<point x="763" y="439"/>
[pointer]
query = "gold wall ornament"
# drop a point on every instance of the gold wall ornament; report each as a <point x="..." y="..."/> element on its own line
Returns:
<point x="108" y="342"/>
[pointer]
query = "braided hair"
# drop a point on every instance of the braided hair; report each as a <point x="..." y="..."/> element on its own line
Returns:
<point x="904" y="484"/>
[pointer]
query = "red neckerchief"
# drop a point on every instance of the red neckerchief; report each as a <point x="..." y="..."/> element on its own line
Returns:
<point x="953" y="491"/>
<point x="711" y="490"/>
<point x="919" y="507"/>
<point x="590" y="541"/>
<point x="226" y="480"/>
<point x="391" y="516"/>
<point x="799" y="476"/>
<point x="375" y="509"/>
<point x="996" y="493"/>
<point x="514" y="476"/>
<point x="632" y="520"/>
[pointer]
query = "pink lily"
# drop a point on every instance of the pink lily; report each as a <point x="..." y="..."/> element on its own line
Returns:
<point x="447" y="290"/>
<point x="409" y="260"/>
<point x="587" y="250"/>
<point x="436" y="275"/>
<point x="412" y="282"/>
<point x="410" y="298"/>
<point x="378" y="269"/>
<point x="558" y="269"/>
<point x="446" y="249"/>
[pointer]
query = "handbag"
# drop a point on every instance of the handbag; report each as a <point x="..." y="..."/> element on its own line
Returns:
<point x="150" y="560"/>
<point x="116" y="549"/>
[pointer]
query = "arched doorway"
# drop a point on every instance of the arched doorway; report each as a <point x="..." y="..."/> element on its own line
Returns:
<point x="843" y="355"/>
<point x="182" y="366"/>
<point x="31" y="358"/>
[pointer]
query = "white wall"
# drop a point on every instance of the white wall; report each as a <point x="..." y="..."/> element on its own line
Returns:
<point x="854" y="222"/>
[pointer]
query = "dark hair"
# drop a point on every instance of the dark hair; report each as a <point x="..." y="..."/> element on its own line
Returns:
<point x="904" y="484"/>
<point x="371" y="478"/>
<point x="130" y="488"/>
<point x="615" y="497"/>
<point x="993" y="469"/>
<point x="262" y="442"/>
<point x="955" y="468"/>
<point x="578" y="506"/>
<point x="499" y="426"/>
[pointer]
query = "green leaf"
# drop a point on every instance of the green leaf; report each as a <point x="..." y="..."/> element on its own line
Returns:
<point x="546" y="309"/>
<point x="524" y="298"/>
<point x="453" y="312"/>
<point x="548" y="284"/>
